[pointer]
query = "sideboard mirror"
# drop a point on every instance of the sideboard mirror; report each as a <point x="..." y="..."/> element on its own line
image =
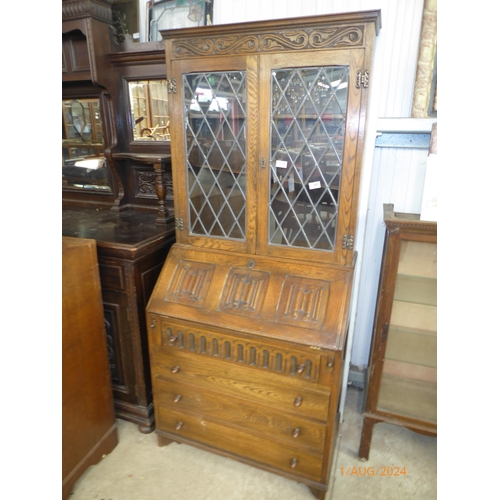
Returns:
<point x="149" y="110"/>
<point x="83" y="164"/>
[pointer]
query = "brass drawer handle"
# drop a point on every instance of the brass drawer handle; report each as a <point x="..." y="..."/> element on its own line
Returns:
<point x="298" y="401"/>
<point x="153" y="323"/>
<point x="176" y="369"/>
<point x="293" y="463"/>
<point x="296" y="432"/>
<point x="172" y="339"/>
<point x="300" y="368"/>
<point x="177" y="398"/>
<point x="179" y="425"/>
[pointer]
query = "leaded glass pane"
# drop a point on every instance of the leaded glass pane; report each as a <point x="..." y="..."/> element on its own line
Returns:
<point x="215" y="120"/>
<point x="308" y="116"/>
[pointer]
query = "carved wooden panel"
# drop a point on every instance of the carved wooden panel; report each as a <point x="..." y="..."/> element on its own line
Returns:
<point x="299" y="39"/>
<point x="190" y="283"/>
<point x="245" y="352"/>
<point x="303" y="302"/>
<point x="144" y="184"/>
<point x="244" y="292"/>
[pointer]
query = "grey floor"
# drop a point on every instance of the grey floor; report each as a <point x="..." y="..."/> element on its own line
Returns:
<point x="138" y="469"/>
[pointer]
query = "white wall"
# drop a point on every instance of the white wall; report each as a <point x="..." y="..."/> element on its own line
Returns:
<point x="389" y="175"/>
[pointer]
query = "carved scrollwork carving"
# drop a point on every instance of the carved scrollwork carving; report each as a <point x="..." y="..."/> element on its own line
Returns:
<point x="300" y="39"/>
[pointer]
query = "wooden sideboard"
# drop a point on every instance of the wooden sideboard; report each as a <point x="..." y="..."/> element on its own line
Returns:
<point x="89" y="428"/>
<point x="131" y="248"/>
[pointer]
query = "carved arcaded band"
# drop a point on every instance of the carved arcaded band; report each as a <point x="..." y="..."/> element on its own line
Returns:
<point x="303" y="39"/>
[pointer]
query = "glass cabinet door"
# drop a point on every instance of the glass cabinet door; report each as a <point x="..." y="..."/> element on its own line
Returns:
<point x="313" y="108"/>
<point x="268" y="152"/>
<point x="409" y="373"/>
<point x="308" y="117"/>
<point x="215" y="115"/>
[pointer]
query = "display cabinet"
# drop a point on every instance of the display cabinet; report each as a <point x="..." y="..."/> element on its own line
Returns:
<point x="402" y="384"/>
<point x="248" y="319"/>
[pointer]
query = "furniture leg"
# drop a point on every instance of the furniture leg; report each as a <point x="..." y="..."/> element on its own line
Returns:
<point x="366" y="438"/>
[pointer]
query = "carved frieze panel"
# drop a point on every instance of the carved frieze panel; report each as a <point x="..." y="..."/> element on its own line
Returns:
<point x="300" y="39"/>
<point x="242" y="351"/>
<point x="244" y="292"/>
<point x="190" y="283"/>
<point x="303" y="302"/>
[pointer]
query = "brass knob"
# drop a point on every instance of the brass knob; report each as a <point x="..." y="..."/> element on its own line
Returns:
<point x="179" y="425"/>
<point x="296" y="432"/>
<point x="300" y="368"/>
<point x="177" y="398"/>
<point x="172" y="339"/>
<point x="153" y="323"/>
<point x="298" y="401"/>
<point x="176" y="369"/>
<point x="293" y="463"/>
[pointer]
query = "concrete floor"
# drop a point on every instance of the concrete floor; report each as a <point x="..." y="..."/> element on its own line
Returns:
<point x="138" y="469"/>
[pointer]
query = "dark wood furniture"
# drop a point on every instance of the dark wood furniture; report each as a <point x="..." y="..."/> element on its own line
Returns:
<point x="402" y="384"/>
<point x="89" y="429"/>
<point x="131" y="219"/>
<point x="248" y="320"/>
<point x="132" y="248"/>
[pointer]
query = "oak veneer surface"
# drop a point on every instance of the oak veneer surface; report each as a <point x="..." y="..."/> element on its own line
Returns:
<point x="89" y="427"/>
<point x="247" y="329"/>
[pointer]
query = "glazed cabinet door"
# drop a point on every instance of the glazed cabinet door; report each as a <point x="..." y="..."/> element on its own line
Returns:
<point x="309" y="112"/>
<point x="213" y="148"/>
<point x="266" y="153"/>
<point x="408" y="378"/>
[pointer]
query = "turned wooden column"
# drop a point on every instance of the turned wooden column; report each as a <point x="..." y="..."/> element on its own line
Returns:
<point x="159" y="162"/>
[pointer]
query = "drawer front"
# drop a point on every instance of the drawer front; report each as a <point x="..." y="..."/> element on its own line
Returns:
<point x="240" y="443"/>
<point x="112" y="273"/>
<point x="295" y="397"/>
<point x="290" y="429"/>
<point x="260" y="354"/>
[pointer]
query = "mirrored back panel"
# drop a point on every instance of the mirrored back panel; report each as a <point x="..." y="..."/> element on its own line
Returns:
<point x="83" y="163"/>
<point x="149" y="110"/>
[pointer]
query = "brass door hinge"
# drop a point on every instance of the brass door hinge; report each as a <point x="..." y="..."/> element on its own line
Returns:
<point x="179" y="223"/>
<point x="172" y="86"/>
<point x="348" y="241"/>
<point x="362" y="79"/>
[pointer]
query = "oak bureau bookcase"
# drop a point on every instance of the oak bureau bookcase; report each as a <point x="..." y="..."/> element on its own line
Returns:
<point x="248" y="320"/>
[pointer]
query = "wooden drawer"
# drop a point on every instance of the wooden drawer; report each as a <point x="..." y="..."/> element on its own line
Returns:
<point x="214" y="434"/>
<point x="264" y="355"/>
<point x="293" y="396"/>
<point x="112" y="274"/>
<point x="288" y="428"/>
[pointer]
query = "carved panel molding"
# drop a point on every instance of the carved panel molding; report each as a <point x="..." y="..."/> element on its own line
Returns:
<point x="244" y="292"/>
<point x="303" y="302"/>
<point x="300" y="39"/>
<point x="190" y="283"/>
<point x="241" y="351"/>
